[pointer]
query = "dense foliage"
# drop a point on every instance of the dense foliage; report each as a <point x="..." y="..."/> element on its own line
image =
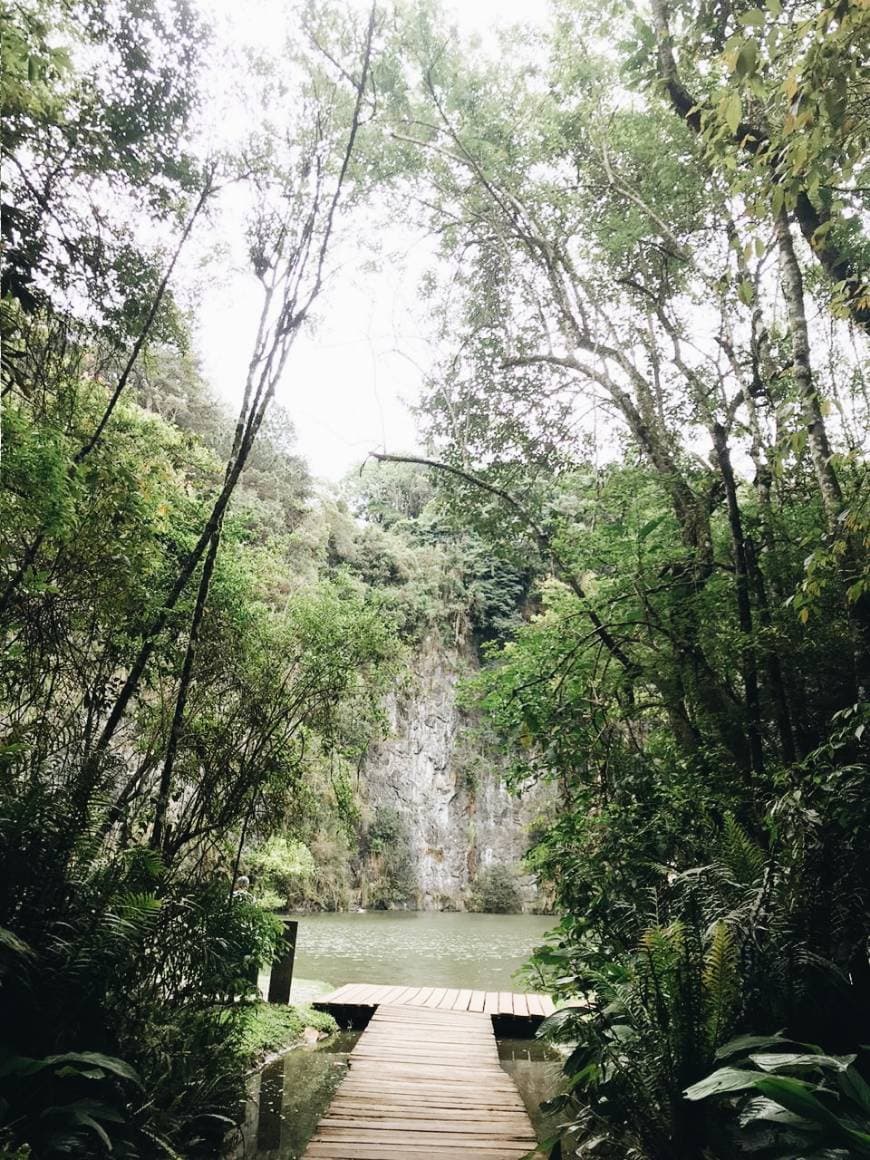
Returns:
<point x="169" y="686"/>
<point x="652" y="293"/>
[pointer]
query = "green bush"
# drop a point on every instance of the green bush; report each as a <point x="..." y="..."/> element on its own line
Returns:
<point x="275" y="867"/>
<point x="110" y="1009"/>
<point x="271" y="1027"/>
<point x="390" y="864"/>
<point x="784" y="1096"/>
<point x="496" y="891"/>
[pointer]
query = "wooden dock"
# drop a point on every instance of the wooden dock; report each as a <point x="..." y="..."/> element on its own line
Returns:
<point x="504" y="1004"/>
<point x="424" y="1081"/>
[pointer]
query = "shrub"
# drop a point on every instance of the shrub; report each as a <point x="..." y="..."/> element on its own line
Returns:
<point x="275" y="867"/>
<point x="496" y="891"/>
<point x="392" y="877"/>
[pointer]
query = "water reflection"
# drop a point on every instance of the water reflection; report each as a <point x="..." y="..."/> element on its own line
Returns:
<point x="536" y="1069"/>
<point x="271" y="1099"/>
<point x="289" y="1096"/>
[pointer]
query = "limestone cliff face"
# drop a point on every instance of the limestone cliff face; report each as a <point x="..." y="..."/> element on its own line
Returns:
<point x="433" y="771"/>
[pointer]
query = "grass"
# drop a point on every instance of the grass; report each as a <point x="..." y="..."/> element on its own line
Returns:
<point x="273" y="1028"/>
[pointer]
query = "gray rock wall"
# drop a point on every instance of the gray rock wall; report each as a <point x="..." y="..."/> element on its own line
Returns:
<point x="434" y="772"/>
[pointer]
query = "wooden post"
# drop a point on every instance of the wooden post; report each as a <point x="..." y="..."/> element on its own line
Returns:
<point x="281" y="978"/>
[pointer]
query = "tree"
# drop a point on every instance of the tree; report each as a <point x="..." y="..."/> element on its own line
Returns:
<point x="620" y="359"/>
<point x="775" y="92"/>
<point x="138" y="709"/>
<point x="84" y="142"/>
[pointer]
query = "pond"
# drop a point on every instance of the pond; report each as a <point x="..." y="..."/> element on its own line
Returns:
<point x="479" y="951"/>
<point x="419" y="948"/>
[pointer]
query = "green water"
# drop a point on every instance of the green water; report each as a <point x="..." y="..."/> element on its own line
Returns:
<point x="419" y="948"/>
<point x="289" y="1096"/>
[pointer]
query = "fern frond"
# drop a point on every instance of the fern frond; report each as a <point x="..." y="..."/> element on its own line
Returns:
<point x="721" y="984"/>
<point x="740" y="859"/>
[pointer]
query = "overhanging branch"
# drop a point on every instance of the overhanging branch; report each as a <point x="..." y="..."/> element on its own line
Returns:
<point x="542" y="540"/>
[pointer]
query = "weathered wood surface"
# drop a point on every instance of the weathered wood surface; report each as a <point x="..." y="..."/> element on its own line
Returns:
<point x="439" y="999"/>
<point x="425" y="1082"/>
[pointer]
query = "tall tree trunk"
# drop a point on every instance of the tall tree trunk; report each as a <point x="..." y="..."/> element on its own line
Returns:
<point x="814" y="423"/>
<point x="749" y="669"/>
<point x="850" y="562"/>
<point x="778" y="687"/>
<point x="164" y="790"/>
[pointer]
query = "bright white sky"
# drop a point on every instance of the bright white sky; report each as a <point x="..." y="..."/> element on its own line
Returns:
<point x="348" y="387"/>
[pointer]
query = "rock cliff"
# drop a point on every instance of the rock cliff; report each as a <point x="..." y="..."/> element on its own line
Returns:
<point x="435" y="772"/>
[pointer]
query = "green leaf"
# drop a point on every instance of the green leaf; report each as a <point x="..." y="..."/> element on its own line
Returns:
<point x="96" y="1059"/>
<point x="732" y="110"/>
<point x="853" y="1085"/>
<point x="746" y="292"/>
<point x="89" y="1122"/>
<point x="754" y="18"/>
<point x="799" y="1097"/>
<point x="650" y="526"/>
<point x="747" y="59"/>
<point x="8" y="940"/>
<point x="761" y="1109"/>
<point x="745" y="1043"/>
<point x="726" y="1079"/>
<point x="774" y="1062"/>
<point x="93" y="1061"/>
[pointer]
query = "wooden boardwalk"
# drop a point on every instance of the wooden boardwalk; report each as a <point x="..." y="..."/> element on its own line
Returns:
<point x="425" y="1082"/>
<point x="502" y="1003"/>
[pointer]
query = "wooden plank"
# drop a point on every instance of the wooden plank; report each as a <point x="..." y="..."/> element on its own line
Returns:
<point x="377" y="1096"/>
<point x="338" y="1151"/>
<point x="472" y="1095"/>
<point x="536" y="1007"/>
<point x="390" y="995"/>
<point x="359" y="995"/>
<point x="442" y="1017"/>
<point x="434" y="1037"/>
<point x="406" y="995"/>
<point x="439" y="998"/>
<point x="424" y="994"/>
<point x="353" y="1125"/>
<point x="344" y="1106"/>
<point x="463" y="998"/>
<point x="427" y="1015"/>
<point x="436" y="997"/>
<point x="374" y="1135"/>
<point x="348" y="993"/>
<point x="521" y="1006"/>
<point x="335" y="996"/>
<point x="425" y="1082"/>
<point x="431" y="1050"/>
